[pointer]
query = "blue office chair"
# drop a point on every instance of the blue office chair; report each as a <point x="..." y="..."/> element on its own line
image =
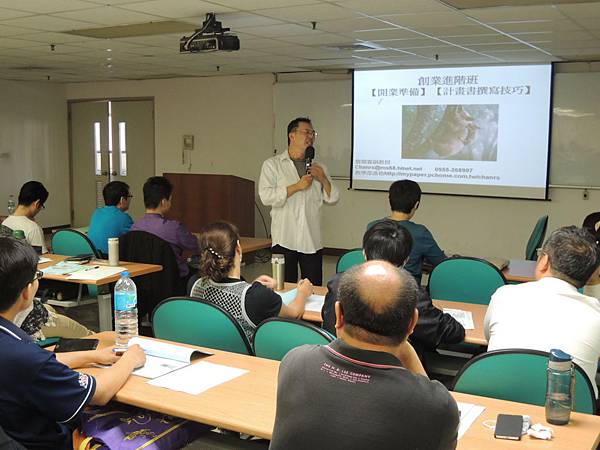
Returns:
<point x="518" y="375"/>
<point x="276" y="336"/>
<point x="464" y="279"/>
<point x="349" y="259"/>
<point x="73" y="243"/>
<point x="536" y="239"/>
<point x="199" y="322"/>
<point x="70" y="242"/>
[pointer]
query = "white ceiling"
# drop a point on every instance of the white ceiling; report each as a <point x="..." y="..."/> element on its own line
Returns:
<point x="277" y="36"/>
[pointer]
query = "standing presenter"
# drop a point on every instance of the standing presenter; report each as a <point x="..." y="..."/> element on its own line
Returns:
<point x="295" y="188"/>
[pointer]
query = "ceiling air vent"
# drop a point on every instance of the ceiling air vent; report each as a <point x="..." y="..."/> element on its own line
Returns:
<point x="31" y="68"/>
<point x="354" y="47"/>
<point x="139" y="29"/>
<point x="471" y="4"/>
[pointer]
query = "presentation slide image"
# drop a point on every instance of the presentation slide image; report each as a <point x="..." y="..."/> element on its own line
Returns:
<point x="450" y="132"/>
<point x="458" y="128"/>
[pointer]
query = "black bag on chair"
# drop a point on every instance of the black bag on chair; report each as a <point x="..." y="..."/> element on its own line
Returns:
<point x="143" y="247"/>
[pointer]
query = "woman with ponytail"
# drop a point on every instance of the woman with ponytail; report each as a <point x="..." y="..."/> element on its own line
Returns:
<point x="221" y="282"/>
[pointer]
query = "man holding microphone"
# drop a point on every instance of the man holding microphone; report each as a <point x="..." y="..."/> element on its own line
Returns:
<point x="295" y="188"/>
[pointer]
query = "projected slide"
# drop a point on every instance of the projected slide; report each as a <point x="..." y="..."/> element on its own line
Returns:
<point x="471" y="130"/>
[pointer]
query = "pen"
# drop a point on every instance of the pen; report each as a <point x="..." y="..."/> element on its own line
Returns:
<point x="90" y="268"/>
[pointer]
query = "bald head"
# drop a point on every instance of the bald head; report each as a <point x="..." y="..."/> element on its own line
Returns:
<point x="378" y="301"/>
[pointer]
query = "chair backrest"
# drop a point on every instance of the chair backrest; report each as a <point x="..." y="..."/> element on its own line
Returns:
<point x="199" y="322"/>
<point x="143" y="247"/>
<point x="536" y="239"/>
<point x="518" y="375"/>
<point x="276" y="336"/>
<point x="462" y="279"/>
<point x="73" y="243"/>
<point x="349" y="259"/>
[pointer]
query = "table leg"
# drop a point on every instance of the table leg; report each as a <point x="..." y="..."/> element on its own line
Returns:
<point x="105" y="321"/>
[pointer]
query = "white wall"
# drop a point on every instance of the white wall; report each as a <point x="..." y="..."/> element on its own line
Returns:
<point x="34" y="145"/>
<point x="466" y="225"/>
<point x="232" y="119"/>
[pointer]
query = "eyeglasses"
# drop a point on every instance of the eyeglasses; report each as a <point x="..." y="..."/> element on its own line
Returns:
<point x="308" y="132"/>
<point x="38" y="275"/>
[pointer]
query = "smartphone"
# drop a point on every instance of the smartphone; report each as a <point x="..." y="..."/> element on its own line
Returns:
<point x="82" y="259"/>
<point x="75" y="345"/>
<point x="509" y="426"/>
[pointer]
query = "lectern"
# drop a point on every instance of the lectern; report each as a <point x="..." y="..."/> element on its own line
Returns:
<point x="199" y="199"/>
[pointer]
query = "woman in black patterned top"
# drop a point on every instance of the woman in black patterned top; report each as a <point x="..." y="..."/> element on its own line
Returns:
<point x="221" y="283"/>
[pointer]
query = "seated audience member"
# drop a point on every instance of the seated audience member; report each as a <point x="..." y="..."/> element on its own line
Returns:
<point x="389" y="241"/>
<point x="111" y="221"/>
<point x="32" y="197"/>
<point x="405" y="198"/>
<point x="41" y="321"/>
<point x="41" y="397"/>
<point x="157" y="200"/>
<point x="367" y="389"/>
<point x="222" y="284"/>
<point x="550" y="312"/>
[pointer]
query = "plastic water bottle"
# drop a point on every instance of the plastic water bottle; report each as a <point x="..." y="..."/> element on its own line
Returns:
<point x="559" y="389"/>
<point x="126" y="314"/>
<point x="11" y="205"/>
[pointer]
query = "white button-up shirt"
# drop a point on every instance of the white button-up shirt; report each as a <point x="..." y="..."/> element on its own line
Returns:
<point x="546" y="314"/>
<point x="295" y="221"/>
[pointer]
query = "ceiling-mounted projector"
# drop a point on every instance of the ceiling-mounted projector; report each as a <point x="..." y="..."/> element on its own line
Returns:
<point x="211" y="37"/>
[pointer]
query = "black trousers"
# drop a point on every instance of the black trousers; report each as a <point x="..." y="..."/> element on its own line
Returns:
<point x="311" y="265"/>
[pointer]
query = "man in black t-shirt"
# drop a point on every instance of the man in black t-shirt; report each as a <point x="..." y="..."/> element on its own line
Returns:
<point x="367" y="389"/>
<point x="392" y="242"/>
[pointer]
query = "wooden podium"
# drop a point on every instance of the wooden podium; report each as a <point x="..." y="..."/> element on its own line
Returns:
<point x="199" y="199"/>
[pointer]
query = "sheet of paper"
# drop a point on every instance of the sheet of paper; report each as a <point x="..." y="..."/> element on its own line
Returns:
<point x="468" y="413"/>
<point x="43" y="259"/>
<point x="157" y="367"/>
<point x="166" y="350"/>
<point x="288" y="296"/>
<point x="198" y="377"/>
<point x="313" y="303"/>
<point x="465" y="318"/>
<point x="95" y="273"/>
<point x="63" y="268"/>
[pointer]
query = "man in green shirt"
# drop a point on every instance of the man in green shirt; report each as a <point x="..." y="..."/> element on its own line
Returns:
<point x="405" y="198"/>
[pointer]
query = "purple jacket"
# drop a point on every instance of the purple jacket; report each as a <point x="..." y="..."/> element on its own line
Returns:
<point x="172" y="231"/>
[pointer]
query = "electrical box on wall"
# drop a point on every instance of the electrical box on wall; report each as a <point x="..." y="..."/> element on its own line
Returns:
<point x="188" y="142"/>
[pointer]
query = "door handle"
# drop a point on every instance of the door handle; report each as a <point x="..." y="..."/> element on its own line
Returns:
<point x="105" y="172"/>
<point x="114" y="173"/>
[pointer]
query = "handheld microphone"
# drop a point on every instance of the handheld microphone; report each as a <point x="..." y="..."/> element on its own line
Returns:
<point x="309" y="155"/>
